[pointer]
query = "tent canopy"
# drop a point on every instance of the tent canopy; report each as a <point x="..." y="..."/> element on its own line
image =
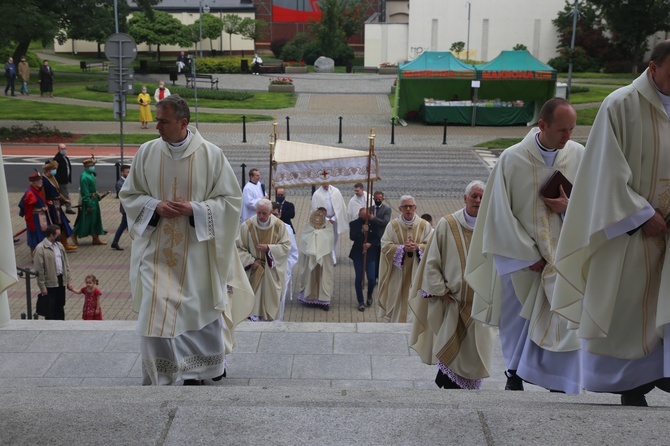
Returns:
<point x="303" y="164"/>
<point x="513" y="75"/>
<point x="434" y="74"/>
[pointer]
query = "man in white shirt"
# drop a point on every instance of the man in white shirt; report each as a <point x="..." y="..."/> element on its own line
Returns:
<point x="253" y="191"/>
<point x="161" y="92"/>
<point x="358" y="201"/>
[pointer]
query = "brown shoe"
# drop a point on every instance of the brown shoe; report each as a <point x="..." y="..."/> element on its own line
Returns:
<point x="97" y="241"/>
<point x="75" y="241"/>
<point x="63" y="240"/>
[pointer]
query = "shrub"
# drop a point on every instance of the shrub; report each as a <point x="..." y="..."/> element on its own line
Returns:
<point x="37" y="129"/>
<point x="277" y="46"/>
<point x="295" y="48"/>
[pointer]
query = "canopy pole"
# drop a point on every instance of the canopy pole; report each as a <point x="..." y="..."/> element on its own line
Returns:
<point x="273" y="141"/>
<point x="368" y="201"/>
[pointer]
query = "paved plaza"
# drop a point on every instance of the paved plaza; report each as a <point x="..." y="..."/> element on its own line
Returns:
<point x="319" y="378"/>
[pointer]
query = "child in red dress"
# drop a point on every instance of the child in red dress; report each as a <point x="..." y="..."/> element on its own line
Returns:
<point x="92" y="310"/>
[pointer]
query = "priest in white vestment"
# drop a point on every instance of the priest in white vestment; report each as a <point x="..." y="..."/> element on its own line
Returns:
<point x="330" y="198"/>
<point x="183" y="202"/>
<point x="8" y="275"/>
<point x="359" y="200"/>
<point x="510" y="263"/>
<point x="291" y="261"/>
<point x="402" y="246"/>
<point x="613" y="260"/>
<point x="317" y="278"/>
<point x="253" y="191"/>
<point x="264" y="245"/>
<point x="443" y="331"/>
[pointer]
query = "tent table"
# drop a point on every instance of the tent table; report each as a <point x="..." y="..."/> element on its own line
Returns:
<point x="486" y="116"/>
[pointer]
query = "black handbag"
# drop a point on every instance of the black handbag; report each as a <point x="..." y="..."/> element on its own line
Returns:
<point x="42" y="307"/>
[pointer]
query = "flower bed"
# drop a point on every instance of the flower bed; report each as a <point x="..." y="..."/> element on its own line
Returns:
<point x="281" y="81"/>
<point x="281" y="85"/>
<point x="388" y="68"/>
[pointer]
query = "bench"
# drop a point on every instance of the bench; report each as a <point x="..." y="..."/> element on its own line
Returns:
<point x="85" y="66"/>
<point x="272" y="67"/>
<point x="362" y="69"/>
<point x="191" y="80"/>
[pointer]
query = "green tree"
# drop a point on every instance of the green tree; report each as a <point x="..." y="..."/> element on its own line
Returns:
<point x="457" y="47"/>
<point x="30" y="20"/>
<point x="163" y="29"/>
<point x="93" y="20"/>
<point x="632" y="22"/>
<point x="330" y="37"/>
<point x="352" y="15"/>
<point x="252" y="29"/>
<point x="520" y="47"/>
<point x="231" y="25"/>
<point x="212" y="27"/>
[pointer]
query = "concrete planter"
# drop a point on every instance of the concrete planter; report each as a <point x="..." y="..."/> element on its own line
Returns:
<point x="273" y="88"/>
<point x="295" y="70"/>
<point x="388" y="70"/>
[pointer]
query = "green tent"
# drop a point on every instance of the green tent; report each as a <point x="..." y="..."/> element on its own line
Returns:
<point x="517" y="75"/>
<point x="434" y="74"/>
<point x="512" y="76"/>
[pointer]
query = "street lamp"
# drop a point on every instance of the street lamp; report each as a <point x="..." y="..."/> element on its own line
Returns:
<point x="467" y="51"/>
<point x="575" y="13"/>
<point x="206" y="11"/>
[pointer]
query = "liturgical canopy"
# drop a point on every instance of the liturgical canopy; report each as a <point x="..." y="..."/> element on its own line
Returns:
<point x="302" y="164"/>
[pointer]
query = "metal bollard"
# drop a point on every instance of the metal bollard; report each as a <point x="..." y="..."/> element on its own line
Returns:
<point x="243" y="166"/>
<point x="29" y="304"/>
<point x="393" y="130"/>
<point x="244" y="128"/>
<point x="340" y="140"/>
<point x="444" y="137"/>
<point x="288" y="129"/>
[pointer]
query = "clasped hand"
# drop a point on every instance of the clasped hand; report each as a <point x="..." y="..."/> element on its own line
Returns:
<point x="557" y="205"/>
<point x="411" y="246"/>
<point x="174" y="208"/>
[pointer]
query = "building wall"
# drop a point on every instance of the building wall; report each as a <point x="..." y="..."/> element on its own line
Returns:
<point x="385" y="42"/>
<point x="187" y="18"/>
<point x="495" y="25"/>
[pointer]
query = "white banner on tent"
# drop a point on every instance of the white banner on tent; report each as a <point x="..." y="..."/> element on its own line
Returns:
<point x="303" y="164"/>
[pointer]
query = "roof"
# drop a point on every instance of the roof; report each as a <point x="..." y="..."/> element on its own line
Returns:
<point x="519" y="65"/>
<point x="194" y="5"/>
<point x="437" y="64"/>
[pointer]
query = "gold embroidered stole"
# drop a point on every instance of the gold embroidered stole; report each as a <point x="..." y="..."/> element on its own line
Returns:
<point x="267" y="236"/>
<point x="172" y="244"/>
<point x="450" y="350"/>
<point x="403" y="234"/>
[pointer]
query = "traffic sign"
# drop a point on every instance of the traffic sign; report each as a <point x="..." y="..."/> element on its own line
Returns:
<point x="120" y="49"/>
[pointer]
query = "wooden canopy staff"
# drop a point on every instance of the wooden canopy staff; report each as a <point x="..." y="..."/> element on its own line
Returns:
<point x="368" y="201"/>
<point x="273" y="141"/>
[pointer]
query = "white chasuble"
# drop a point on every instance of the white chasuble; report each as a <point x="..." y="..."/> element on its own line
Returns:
<point x="615" y="289"/>
<point x="185" y="274"/>
<point x="443" y="328"/>
<point x="514" y="223"/>
<point x="397" y="267"/>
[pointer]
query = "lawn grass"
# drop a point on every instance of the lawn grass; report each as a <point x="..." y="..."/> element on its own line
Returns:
<point x="45" y="111"/>
<point x="586" y="116"/>
<point x="115" y="138"/>
<point x="600" y="75"/>
<point x="499" y="143"/>
<point x="595" y="94"/>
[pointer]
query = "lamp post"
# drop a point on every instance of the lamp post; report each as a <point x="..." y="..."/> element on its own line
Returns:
<point x="193" y="71"/>
<point x="575" y="13"/>
<point x="467" y="50"/>
<point x="206" y="10"/>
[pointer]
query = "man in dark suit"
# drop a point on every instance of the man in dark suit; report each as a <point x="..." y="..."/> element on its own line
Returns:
<point x="369" y="249"/>
<point x="381" y="214"/>
<point x="286" y="208"/>
<point x="64" y="175"/>
<point x="124" y="222"/>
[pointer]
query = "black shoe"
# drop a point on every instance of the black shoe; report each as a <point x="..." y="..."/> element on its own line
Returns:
<point x="369" y="301"/>
<point x="514" y="382"/>
<point x="117" y="247"/>
<point x="70" y="211"/>
<point x="220" y="377"/>
<point x="634" y="399"/>
<point x="663" y="384"/>
<point x="361" y="307"/>
<point x="326" y="307"/>
<point x="193" y="382"/>
<point x="444" y="382"/>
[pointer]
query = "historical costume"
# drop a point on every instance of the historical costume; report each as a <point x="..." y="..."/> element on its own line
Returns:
<point x="268" y="278"/>
<point x="54" y="201"/>
<point x="514" y="229"/>
<point x="187" y="282"/>
<point x="33" y="208"/>
<point x="443" y="331"/>
<point x="397" y="266"/>
<point x="316" y="262"/>
<point x="613" y="279"/>
<point x="89" y="219"/>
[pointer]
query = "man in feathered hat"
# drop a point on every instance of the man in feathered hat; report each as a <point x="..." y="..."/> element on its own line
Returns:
<point x="33" y="208"/>
<point x="55" y="201"/>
